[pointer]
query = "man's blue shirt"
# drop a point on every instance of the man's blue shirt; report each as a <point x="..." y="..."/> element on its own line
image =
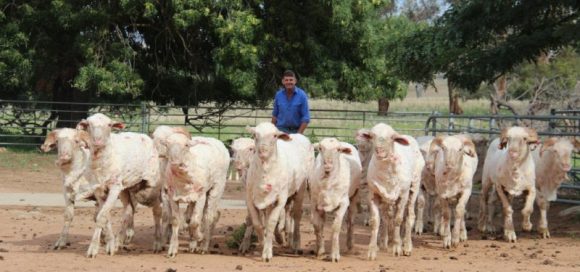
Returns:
<point x="293" y="112"/>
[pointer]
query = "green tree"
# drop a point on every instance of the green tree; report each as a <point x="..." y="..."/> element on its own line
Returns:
<point x="480" y="40"/>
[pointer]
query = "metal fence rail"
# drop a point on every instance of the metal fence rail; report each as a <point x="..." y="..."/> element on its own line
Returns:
<point x="25" y="123"/>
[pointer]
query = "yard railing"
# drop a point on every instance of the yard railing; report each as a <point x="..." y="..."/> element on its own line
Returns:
<point x="25" y="123"/>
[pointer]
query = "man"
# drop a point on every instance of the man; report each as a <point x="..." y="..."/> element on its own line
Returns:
<point x="291" y="113"/>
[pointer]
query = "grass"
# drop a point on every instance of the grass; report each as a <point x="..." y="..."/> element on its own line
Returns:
<point x="25" y="159"/>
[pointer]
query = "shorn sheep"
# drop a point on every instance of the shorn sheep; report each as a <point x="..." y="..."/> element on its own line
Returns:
<point x="508" y="171"/>
<point x="196" y="174"/>
<point x="276" y="183"/>
<point x="393" y="179"/>
<point x="72" y="160"/>
<point x="334" y="187"/>
<point x="455" y="163"/>
<point x="552" y="166"/>
<point x="126" y="166"/>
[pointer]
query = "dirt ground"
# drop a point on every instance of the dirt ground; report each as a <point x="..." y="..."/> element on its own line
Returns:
<point x="28" y="232"/>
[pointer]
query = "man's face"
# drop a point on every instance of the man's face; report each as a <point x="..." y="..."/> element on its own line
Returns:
<point x="289" y="82"/>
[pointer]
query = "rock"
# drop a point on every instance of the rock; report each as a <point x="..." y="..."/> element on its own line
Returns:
<point x="435" y="258"/>
<point x="426" y="258"/>
<point x="547" y="262"/>
<point x="465" y="245"/>
<point x="504" y="255"/>
<point x="557" y="251"/>
<point x="239" y="267"/>
<point x="493" y="245"/>
<point x="1" y="258"/>
<point x="230" y="228"/>
<point x="453" y="258"/>
<point x="533" y="256"/>
<point x="171" y="270"/>
<point x="3" y="250"/>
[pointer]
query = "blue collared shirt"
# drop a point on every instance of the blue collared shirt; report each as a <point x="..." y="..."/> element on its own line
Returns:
<point x="291" y="113"/>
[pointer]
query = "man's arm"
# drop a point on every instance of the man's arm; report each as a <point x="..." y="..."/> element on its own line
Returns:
<point x="305" y="112"/>
<point x="275" y="112"/>
<point x="302" y="128"/>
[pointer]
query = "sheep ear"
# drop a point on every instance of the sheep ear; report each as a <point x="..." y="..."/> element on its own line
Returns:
<point x="345" y="150"/>
<point x="83" y="125"/>
<point x="118" y="125"/>
<point x="503" y="138"/>
<point x="400" y="139"/>
<point x="84" y="138"/>
<point x="436" y="143"/>
<point x="316" y="147"/>
<point x="284" y="136"/>
<point x="576" y="144"/>
<point x="195" y="142"/>
<point x="532" y="136"/>
<point x="363" y="134"/>
<point x="49" y="142"/>
<point x="469" y="148"/>
<point x="182" y="130"/>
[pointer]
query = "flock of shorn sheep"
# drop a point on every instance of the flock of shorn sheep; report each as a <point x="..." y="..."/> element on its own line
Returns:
<point x="397" y="174"/>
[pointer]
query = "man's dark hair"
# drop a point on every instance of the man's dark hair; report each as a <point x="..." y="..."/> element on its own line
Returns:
<point x="289" y="73"/>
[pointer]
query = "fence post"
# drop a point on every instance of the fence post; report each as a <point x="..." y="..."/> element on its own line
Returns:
<point x="434" y="124"/>
<point x="220" y="125"/>
<point x="552" y="123"/>
<point x="144" y="118"/>
<point x="364" y="118"/>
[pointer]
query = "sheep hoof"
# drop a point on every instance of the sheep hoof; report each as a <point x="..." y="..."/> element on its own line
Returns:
<point x="510" y="236"/>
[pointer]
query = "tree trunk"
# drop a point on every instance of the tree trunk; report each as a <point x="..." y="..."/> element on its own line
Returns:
<point x="454" y="106"/>
<point x="69" y="114"/>
<point x="420" y="89"/>
<point x="383" y="106"/>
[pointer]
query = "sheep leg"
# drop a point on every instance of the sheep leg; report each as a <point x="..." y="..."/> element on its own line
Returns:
<point x="508" y="232"/>
<point x="103" y="217"/>
<point x="374" y="221"/>
<point x="272" y="219"/>
<point x="420" y="210"/>
<point x="544" y="206"/>
<point x="128" y="211"/>
<point x="410" y="220"/>
<point x="196" y="225"/>
<point x="69" y="212"/>
<point x="437" y="216"/>
<point x="166" y="217"/>
<point x="318" y="218"/>
<point x="256" y="225"/>
<point x="385" y="225"/>
<point x="401" y="205"/>
<point x="247" y="240"/>
<point x="336" y="227"/>
<point x="459" y="217"/>
<point x="446" y="216"/>
<point x="211" y="214"/>
<point x="352" y="209"/>
<point x="175" y="219"/>
<point x="485" y="223"/>
<point x="157" y="210"/>
<point x="297" y="217"/>
<point x="528" y="209"/>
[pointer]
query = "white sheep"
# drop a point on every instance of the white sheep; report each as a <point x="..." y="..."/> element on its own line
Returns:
<point x="72" y="160"/>
<point x="508" y="171"/>
<point x="427" y="199"/>
<point x="552" y="166"/>
<point x="276" y="182"/>
<point x="334" y="187"/>
<point x="393" y="179"/>
<point x="196" y="174"/>
<point x="126" y="166"/>
<point x="455" y="163"/>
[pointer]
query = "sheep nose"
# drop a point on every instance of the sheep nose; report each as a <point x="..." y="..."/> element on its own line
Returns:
<point x="66" y="157"/>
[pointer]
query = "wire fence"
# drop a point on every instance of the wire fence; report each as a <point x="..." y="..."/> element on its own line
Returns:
<point x="25" y="123"/>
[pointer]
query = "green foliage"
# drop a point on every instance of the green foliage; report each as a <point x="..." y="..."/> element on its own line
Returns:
<point x="190" y="52"/>
<point x="235" y="239"/>
<point x="479" y="40"/>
